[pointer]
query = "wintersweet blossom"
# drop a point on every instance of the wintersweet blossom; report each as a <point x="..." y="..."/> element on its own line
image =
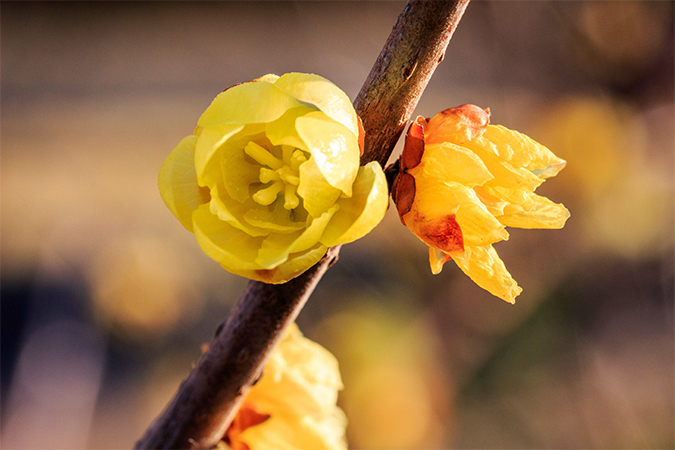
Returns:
<point x="461" y="182"/>
<point x="293" y="406"/>
<point x="270" y="178"/>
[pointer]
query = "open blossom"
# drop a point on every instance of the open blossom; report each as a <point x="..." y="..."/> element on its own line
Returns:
<point x="270" y="178"/>
<point x="293" y="405"/>
<point x="462" y="182"/>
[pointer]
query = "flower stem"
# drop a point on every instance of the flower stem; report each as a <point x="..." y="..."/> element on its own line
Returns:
<point x="206" y="402"/>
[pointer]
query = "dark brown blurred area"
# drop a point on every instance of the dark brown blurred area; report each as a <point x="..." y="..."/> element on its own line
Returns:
<point x="106" y="299"/>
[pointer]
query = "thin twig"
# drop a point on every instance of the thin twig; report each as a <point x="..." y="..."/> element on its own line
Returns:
<point x="206" y="402"/>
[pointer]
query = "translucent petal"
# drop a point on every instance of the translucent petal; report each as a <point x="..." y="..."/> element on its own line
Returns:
<point x="211" y="143"/>
<point x="321" y="93"/>
<point x="450" y="162"/>
<point x="231" y="247"/>
<point x="334" y="148"/>
<point x="252" y="102"/>
<point x="487" y="270"/>
<point x="522" y="151"/>
<point x="178" y="182"/>
<point x="360" y="213"/>
<point x="315" y="191"/>
<point x="436" y="200"/>
<point x="277" y="247"/>
<point x="540" y="212"/>
<point x="504" y="173"/>
<point x="269" y="78"/>
<point x="282" y="131"/>
<point x="493" y="203"/>
<point x="234" y="212"/>
<point x="436" y="260"/>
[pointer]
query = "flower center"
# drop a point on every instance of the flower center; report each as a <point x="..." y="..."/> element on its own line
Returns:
<point x="283" y="174"/>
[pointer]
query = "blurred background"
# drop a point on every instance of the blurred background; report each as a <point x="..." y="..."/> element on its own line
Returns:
<point x="106" y="299"/>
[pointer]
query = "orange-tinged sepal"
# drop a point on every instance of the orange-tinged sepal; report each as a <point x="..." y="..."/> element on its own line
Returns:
<point x="457" y="125"/>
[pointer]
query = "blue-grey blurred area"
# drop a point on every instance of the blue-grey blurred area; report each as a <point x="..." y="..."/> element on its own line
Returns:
<point x="106" y="299"/>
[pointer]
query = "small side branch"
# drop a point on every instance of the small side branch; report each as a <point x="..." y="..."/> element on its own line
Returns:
<point x="206" y="402"/>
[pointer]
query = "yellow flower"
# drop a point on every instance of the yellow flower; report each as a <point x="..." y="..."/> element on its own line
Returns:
<point x="293" y="405"/>
<point x="270" y="178"/>
<point x="462" y="181"/>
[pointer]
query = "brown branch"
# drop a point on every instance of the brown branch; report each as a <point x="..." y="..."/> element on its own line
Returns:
<point x="206" y="402"/>
<point x="414" y="48"/>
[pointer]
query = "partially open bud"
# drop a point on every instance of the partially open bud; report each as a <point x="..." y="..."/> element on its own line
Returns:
<point x="462" y="181"/>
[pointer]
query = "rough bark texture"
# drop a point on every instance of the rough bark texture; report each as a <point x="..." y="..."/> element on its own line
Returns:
<point x="208" y="399"/>
<point x="414" y="48"/>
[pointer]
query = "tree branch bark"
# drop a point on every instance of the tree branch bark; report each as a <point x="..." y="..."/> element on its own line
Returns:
<point x="206" y="402"/>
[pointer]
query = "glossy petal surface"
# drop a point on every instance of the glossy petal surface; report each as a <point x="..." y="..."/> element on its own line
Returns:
<point x="487" y="270"/>
<point x="252" y="102"/>
<point x="324" y="95"/>
<point x="359" y="214"/>
<point x="334" y="149"/>
<point x="271" y="165"/>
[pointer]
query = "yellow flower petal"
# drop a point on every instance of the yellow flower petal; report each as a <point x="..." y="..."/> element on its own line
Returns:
<point x="316" y="193"/>
<point x="178" y="182"/>
<point x="284" y="432"/>
<point x="282" y="131"/>
<point x="436" y="200"/>
<point x="486" y="269"/>
<point x="359" y="214"/>
<point x="277" y="247"/>
<point x="224" y="243"/>
<point x="522" y="151"/>
<point x="212" y="143"/>
<point x="539" y="212"/>
<point x="333" y="147"/>
<point x="234" y="213"/>
<point x="296" y="264"/>
<point x="298" y="390"/>
<point x="450" y="162"/>
<point x="279" y="219"/>
<point x="241" y="104"/>
<point x="326" y="96"/>
<point x="504" y="173"/>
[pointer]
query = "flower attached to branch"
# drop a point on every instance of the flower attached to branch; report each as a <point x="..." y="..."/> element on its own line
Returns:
<point x="270" y="178"/>
<point x="293" y="405"/>
<point x="461" y="181"/>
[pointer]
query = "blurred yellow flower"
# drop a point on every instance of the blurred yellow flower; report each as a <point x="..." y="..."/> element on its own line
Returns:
<point x="293" y="406"/>
<point x="270" y="178"/>
<point x="462" y="181"/>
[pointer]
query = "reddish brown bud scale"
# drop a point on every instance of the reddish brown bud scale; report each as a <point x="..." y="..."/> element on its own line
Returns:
<point x="404" y="194"/>
<point x="362" y="135"/>
<point x="414" y="144"/>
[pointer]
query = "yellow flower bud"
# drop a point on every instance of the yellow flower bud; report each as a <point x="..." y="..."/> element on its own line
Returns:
<point x="270" y="178"/>
<point x="462" y="182"/>
<point x="293" y="405"/>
